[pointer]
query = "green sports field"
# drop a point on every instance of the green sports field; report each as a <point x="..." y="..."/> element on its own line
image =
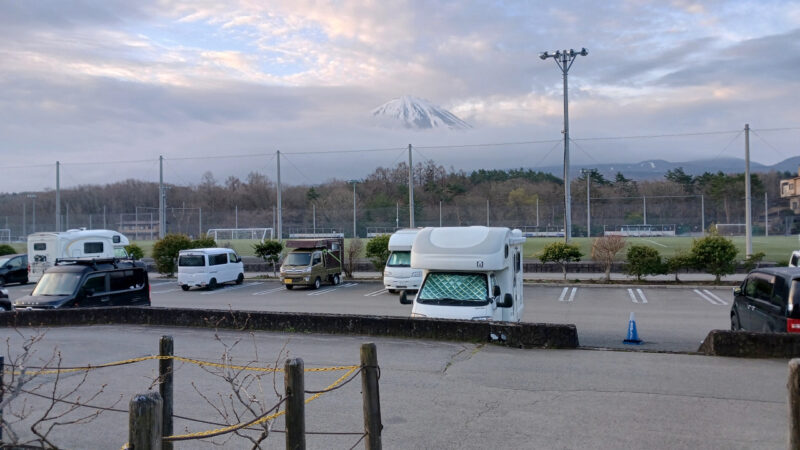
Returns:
<point x="776" y="248"/>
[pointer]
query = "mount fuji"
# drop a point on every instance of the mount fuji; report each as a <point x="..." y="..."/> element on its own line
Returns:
<point x="416" y="113"/>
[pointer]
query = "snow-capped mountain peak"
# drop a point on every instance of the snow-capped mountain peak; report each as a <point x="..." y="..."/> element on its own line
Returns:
<point x="417" y="113"/>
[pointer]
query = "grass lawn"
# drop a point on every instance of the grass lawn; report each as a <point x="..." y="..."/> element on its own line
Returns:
<point x="777" y="248"/>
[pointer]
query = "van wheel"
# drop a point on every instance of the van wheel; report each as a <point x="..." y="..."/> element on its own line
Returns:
<point x="336" y="279"/>
<point x="212" y="284"/>
<point x="185" y="287"/>
<point x="289" y="287"/>
<point x="240" y="278"/>
<point x="735" y="326"/>
<point x="392" y="291"/>
<point x="317" y="283"/>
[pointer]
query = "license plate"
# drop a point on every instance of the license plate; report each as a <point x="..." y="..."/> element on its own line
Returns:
<point x="287" y="280"/>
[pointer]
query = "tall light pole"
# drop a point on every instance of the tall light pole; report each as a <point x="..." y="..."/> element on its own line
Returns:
<point x="354" y="207"/>
<point x="564" y="60"/>
<point x="588" y="173"/>
<point x="33" y="196"/>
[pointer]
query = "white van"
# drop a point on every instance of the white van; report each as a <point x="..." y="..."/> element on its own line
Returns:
<point x="45" y="247"/>
<point x="209" y="267"/>
<point x="398" y="274"/>
<point x="469" y="273"/>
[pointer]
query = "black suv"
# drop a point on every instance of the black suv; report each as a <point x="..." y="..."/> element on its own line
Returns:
<point x="89" y="283"/>
<point x="14" y="269"/>
<point x="768" y="300"/>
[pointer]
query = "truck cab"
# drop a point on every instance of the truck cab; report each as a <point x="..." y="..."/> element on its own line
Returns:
<point x="310" y="262"/>
<point x="469" y="273"/>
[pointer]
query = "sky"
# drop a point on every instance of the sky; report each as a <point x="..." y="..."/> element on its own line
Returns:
<point x="107" y="87"/>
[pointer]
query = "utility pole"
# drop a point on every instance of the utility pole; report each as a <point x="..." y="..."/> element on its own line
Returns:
<point x="766" y="215"/>
<point x="703" y="214"/>
<point x="644" y="210"/>
<point x="354" y="207"/>
<point x="747" y="219"/>
<point x="410" y="190"/>
<point x="588" y="173"/>
<point x="33" y="227"/>
<point x="58" y="196"/>
<point x="162" y="214"/>
<point x="564" y="60"/>
<point x="280" y="217"/>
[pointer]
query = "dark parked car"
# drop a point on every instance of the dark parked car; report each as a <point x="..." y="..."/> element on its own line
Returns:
<point x="768" y="300"/>
<point x="14" y="269"/>
<point x="5" y="303"/>
<point x="89" y="283"/>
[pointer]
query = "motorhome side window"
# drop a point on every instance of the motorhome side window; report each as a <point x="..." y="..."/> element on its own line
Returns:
<point x="115" y="239"/>
<point x="92" y="247"/>
<point x="40" y="246"/>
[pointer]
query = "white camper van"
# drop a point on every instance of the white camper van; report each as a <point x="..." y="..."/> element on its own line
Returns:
<point x="209" y="267"/>
<point x="398" y="274"/>
<point x="469" y="273"/>
<point x="44" y="248"/>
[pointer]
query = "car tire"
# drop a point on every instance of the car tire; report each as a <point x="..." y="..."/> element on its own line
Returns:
<point x="735" y="325"/>
<point x="336" y="279"/>
<point x="2" y="281"/>
<point x="185" y="287"/>
<point x="289" y="287"/>
<point x="317" y="283"/>
<point x="240" y="278"/>
<point x="212" y="284"/>
<point x="24" y="281"/>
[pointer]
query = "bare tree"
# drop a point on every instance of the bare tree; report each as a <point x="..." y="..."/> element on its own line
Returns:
<point x="604" y="251"/>
<point x="352" y="252"/>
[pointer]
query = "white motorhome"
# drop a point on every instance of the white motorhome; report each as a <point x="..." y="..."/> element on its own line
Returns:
<point x="45" y="247"/>
<point x="209" y="267"/>
<point x="469" y="273"/>
<point x="398" y="274"/>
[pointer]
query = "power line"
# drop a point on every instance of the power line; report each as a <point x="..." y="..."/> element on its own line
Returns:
<point x="654" y="136"/>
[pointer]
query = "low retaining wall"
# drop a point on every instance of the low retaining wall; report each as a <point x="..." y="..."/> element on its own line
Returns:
<point x="522" y="335"/>
<point x="745" y="344"/>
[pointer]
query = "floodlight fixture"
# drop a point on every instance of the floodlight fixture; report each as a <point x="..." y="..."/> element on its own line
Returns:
<point x="564" y="60"/>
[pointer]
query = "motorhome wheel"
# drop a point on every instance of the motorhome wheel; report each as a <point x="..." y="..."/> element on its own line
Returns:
<point x="240" y="278"/>
<point x="185" y="287"/>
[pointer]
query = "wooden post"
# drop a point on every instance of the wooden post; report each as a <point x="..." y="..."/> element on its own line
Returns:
<point x="794" y="404"/>
<point x="144" y="421"/>
<point x="295" y="404"/>
<point x="165" y="367"/>
<point x="371" y="396"/>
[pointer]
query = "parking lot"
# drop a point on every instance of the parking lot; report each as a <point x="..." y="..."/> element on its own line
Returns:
<point x="667" y="319"/>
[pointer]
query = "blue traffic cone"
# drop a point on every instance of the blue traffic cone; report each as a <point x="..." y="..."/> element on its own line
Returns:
<point x="633" y="335"/>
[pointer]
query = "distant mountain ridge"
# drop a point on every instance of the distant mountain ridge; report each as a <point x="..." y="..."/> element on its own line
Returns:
<point x="416" y="113"/>
<point x="656" y="168"/>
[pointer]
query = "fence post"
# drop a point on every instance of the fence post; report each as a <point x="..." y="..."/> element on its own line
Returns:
<point x="165" y="348"/>
<point x="371" y="396"/>
<point x="295" y="404"/>
<point x="144" y="421"/>
<point x="794" y="404"/>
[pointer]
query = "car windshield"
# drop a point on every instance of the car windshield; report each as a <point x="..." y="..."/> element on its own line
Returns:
<point x="3" y="261"/>
<point x="298" y="259"/>
<point x="454" y="289"/>
<point x="57" y="283"/>
<point x="399" y="259"/>
<point x="191" y="261"/>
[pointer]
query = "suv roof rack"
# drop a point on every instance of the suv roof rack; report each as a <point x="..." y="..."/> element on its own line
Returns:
<point x="88" y="261"/>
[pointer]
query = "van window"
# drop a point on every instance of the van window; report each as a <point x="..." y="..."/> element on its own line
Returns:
<point x="57" y="283"/>
<point x="216" y="260"/>
<point x="92" y="247"/>
<point x="399" y="259"/>
<point x="233" y="257"/>
<point x="317" y="258"/>
<point x="191" y="260"/>
<point x="794" y="294"/>
<point x="126" y="279"/>
<point x="96" y="283"/>
<point x="760" y="288"/>
<point x="40" y="246"/>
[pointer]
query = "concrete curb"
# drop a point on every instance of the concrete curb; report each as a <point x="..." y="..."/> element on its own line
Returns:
<point x="746" y="344"/>
<point x="521" y="335"/>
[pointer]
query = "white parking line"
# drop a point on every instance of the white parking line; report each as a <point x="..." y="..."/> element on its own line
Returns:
<point x="376" y="293"/>
<point x="711" y="294"/>
<point x="572" y="295"/>
<point x="231" y="288"/>
<point x="269" y="291"/>
<point x="163" y="283"/>
<point x="324" y="291"/>
<point x="563" y="293"/>
<point x="164" y="292"/>
<point x="707" y="298"/>
<point x="633" y="296"/>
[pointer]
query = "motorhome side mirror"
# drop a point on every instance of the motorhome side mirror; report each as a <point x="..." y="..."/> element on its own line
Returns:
<point x="508" y="301"/>
<point x="404" y="298"/>
<point x="737" y="290"/>
<point x="496" y="291"/>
